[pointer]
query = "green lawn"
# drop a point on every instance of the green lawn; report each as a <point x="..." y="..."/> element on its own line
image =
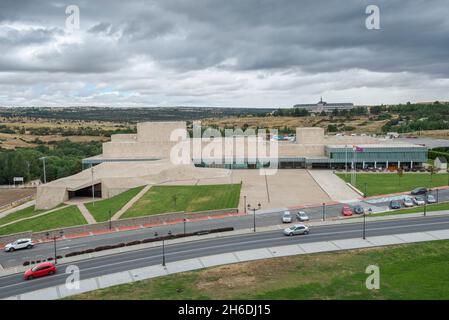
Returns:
<point x="412" y="271"/>
<point x="160" y="199"/>
<point x="100" y="209"/>
<point x="385" y="183"/>
<point x="24" y="213"/>
<point x="66" y="217"/>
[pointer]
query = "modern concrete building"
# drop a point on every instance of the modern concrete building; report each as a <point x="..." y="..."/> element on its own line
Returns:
<point x="163" y="151"/>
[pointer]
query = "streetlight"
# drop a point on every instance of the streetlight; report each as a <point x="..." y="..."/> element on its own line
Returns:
<point x="184" y="220"/>
<point x="364" y="194"/>
<point x="110" y="220"/>
<point x="324" y="211"/>
<point x="163" y="247"/>
<point x="54" y="242"/>
<point x="254" y="213"/>
<point x="45" y="173"/>
<point x="437" y="195"/>
<point x="244" y="203"/>
<point x="364" y="225"/>
<point x="425" y="208"/>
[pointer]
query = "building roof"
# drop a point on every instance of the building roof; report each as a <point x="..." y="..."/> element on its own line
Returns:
<point x="441" y="159"/>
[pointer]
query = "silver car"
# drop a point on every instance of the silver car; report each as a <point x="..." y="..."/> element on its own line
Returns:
<point x="19" y="244"/>
<point x="296" y="229"/>
<point x="419" y="201"/>
<point x="302" y="216"/>
<point x="431" y="199"/>
<point x="287" y="217"/>
<point x="408" y="202"/>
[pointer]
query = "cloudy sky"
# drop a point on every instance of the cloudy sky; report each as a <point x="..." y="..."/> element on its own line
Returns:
<point x="255" y="53"/>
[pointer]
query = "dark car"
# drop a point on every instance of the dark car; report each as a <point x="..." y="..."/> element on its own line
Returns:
<point x="419" y="191"/>
<point x="359" y="210"/>
<point x="395" y="204"/>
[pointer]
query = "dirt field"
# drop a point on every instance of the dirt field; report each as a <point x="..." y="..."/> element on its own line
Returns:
<point x="9" y="195"/>
<point x="361" y="124"/>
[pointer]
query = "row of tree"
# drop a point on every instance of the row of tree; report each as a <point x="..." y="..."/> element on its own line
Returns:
<point x="63" y="158"/>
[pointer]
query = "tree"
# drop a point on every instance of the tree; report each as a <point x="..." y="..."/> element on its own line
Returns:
<point x="400" y="173"/>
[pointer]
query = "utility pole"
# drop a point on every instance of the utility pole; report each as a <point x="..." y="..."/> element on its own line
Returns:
<point x="364" y="225"/>
<point x="93" y="186"/>
<point x="54" y="243"/>
<point x="45" y="173"/>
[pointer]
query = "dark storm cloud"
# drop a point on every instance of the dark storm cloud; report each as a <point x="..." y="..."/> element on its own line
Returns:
<point x="181" y="38"/>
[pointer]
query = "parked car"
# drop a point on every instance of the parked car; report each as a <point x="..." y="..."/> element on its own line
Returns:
<point x="419" y="191"/>
<point x="40" y="270"/>
<point x="395" y="204"/>
<point x="431" y="199"/>
<point x="419" y="200"/>
<point x="287" y="217"/>
<point x="346" y="211"/>
<point x="302" y="216"/>
<point x="408" y="202"/>
<point x="296" y="229"/>
<point x="359" y="210"/>
<point x="19" y="244"/>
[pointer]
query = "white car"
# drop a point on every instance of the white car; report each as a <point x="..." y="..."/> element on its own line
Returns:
<point x="296" y="229"/>
<point x="302" y="216"/>
<point x="431" y="199"/>
<point x="287" y="217"/>
<point x="19" y="244"/>
<point x="408" y="202"/>
<point x="419" y="201"/>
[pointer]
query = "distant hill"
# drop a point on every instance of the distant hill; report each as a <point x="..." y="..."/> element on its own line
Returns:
<point x="129" y="114"/>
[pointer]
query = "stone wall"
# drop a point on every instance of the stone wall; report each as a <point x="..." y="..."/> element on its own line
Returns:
<point x="102" y="226"/>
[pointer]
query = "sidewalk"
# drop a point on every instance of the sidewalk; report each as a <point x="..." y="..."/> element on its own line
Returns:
<point x="118" y="278"/>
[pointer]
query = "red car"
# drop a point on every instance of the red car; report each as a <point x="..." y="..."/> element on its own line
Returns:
<point x="346" y="211"/>
<point x="40" y="270"/>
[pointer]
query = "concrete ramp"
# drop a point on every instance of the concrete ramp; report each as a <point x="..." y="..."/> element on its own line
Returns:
<point x="335" y="187"/>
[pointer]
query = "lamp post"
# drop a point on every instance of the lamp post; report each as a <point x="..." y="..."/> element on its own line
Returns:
<point x="163" y="247"/>
<point x="54" y="242"/>
<point x="45" y="173"/>
<point x="244" y="203"/>
<point x="254" y="214"/>
<point x="437" y="195"/>
<point x="425" y="208"/>
<point x="110" y="220"/>
<point x="184" y="221"/>
<point x="324" y="211"/>
<point x="364" y="225"/>
<point x="364" y="193"/>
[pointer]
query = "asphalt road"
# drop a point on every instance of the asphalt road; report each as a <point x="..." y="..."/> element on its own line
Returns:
<point x="14" y="284"/>
<point x="45" y="250"/>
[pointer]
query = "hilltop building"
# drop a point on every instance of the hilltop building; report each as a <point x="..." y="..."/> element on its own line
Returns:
<point x="321" y="106"/>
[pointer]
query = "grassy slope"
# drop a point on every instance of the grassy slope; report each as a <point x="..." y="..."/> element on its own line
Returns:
<point x="385" y="183"/>
<point x="66" y="217"/>
<point x="24" y="213"/>
<point x="100" y="210"/>
<point x="159" y="199"/>
<point x="412" y="271"/>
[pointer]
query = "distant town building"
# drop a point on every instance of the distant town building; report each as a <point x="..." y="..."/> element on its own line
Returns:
<point x="440" y="163"/>
<point x="325" y="106"/>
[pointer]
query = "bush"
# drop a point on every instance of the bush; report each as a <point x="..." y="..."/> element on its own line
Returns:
<point x="26" y="263"/>
<point x="133" y="243"/>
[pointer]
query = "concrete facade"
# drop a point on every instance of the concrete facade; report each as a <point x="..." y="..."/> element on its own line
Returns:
<point x="162" y="152"/>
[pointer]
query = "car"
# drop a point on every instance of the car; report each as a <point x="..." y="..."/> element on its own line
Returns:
<point x="408" y="202"/>
<point x="359" y="210"/>
<point x="346" y="211"/>
<point x="395" y="204"/>
<point x="431" y="199"/>
<point x="40" y="270"/>
<point x="419" y="201"/>
<point x="296" y="229"/>
<point x="19" y="244"/>
<point x="287" y="217"/>
<point x="418" y="191"/>
<point x="302" y="216"/>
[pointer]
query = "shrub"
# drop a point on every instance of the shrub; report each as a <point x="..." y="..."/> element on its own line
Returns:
<point x="133" y="243"/>
<point x="26" y="263"/>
